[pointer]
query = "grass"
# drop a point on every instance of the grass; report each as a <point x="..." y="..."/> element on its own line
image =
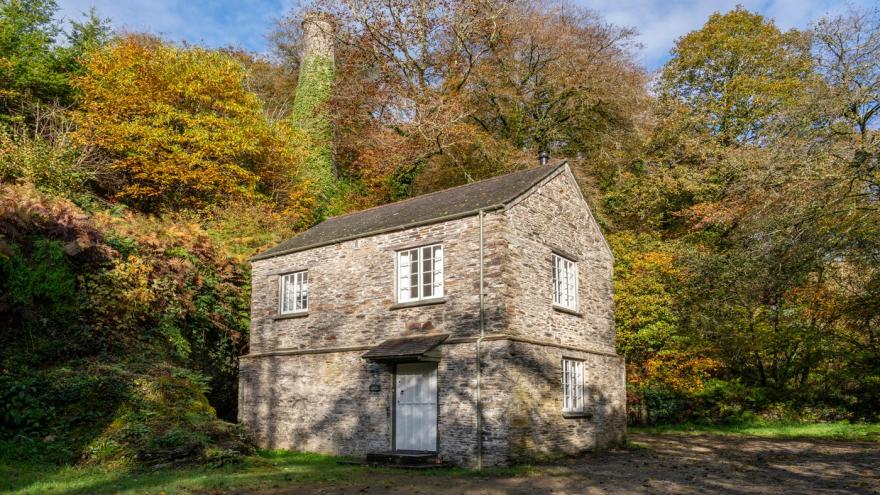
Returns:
<point x="282" y="470"/>
<point x="265" y="471"/>
<point x="775" y="429"/>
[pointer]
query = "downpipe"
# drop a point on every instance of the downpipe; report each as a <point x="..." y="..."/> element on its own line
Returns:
<point x="479" y="405"/>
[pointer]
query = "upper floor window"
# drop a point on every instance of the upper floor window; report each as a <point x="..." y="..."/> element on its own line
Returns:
<point x="294" y="293"/>
<point x="572" y="385"/>
<point x="420" y="273"/>
<point x="565" y="282"/>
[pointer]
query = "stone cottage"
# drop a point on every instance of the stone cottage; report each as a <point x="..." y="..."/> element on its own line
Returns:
<point x="473" y="324"/>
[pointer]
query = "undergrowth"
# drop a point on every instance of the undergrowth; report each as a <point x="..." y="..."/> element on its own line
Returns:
<point x="119" y="339"/>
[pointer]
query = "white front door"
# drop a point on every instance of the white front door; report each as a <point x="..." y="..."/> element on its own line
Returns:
<point x="416" y="407"/>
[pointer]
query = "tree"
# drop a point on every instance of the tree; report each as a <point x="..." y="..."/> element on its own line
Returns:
<point x="28" y="68"/>
<point x="557" y="78"/>
<point x="36" y="69"/>
<point x="177" y="127"/>
<point x="757" y="185"/>
<point x="847" y="54"/>
<point x="90" y="33"/>
<point x="420" y="57"/>
<point x="735" y="73"/>
<point x="433" y="94"/>
<point x="780" y="244"/>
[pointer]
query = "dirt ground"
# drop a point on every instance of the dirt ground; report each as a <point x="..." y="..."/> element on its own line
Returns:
<point x="682" y="464"/>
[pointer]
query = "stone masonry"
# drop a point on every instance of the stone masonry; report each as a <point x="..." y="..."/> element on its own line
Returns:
<point x="304" y="385"/>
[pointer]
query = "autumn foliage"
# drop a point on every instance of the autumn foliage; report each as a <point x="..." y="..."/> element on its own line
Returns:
<point x="739" y="190"/>
<point x="175" y="127"/>
<point x="130" y="295"/>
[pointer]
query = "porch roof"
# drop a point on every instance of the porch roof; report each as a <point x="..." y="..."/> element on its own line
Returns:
<point x="412" y="348"/>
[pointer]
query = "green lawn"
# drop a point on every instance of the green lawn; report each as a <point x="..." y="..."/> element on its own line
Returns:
<point x="775" y="429"/>
<point x="267" y="470"/>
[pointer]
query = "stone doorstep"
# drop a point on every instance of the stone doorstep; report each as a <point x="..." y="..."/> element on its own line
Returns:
<point x="403" y="460"/>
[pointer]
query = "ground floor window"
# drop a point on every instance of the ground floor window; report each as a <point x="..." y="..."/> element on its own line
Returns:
<point x="572" y="385"/>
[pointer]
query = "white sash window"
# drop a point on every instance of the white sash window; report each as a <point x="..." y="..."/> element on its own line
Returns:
<point x="572" y="385"/>
<point x="294" y="293"/>
<point x="420" y="273"/>
<point x="565" y="282"/>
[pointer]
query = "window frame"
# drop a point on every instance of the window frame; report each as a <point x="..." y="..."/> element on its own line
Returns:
<point x="300" y="286"/>
<point x="573" y="394"/>
<point x="438" y="290"/>
<point x="555" y="296"/>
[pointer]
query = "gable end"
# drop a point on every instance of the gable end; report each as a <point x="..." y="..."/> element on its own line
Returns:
<point x="565" y="170"/>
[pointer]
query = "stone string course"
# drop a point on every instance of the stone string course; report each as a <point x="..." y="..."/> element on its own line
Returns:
<point x="338" y="403"/>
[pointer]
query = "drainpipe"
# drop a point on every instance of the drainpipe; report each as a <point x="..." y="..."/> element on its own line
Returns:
<point x="479" y="361"/>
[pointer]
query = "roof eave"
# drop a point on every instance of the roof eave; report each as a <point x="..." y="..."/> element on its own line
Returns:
<point x="476" y="211"/>
<point x="446" y="218"/>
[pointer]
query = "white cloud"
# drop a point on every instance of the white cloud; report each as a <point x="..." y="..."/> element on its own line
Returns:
<point x="660" y="22"/>
<point x="217" y="23"/>
<point x="230" y="22"/>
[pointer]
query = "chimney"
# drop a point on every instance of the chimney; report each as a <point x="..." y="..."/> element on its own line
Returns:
<point x="317" y="36"/>
<point x="543" y="157"/>
<point x="310" y="112"/>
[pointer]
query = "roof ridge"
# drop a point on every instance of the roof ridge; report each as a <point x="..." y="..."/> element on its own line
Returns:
<point x="439" y="191"/>
<point x="550" y="170"/>
<point x="492" y="193"/>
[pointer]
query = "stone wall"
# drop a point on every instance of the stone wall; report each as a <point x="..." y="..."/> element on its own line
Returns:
<point x="538" y="429"/>
<point x="351" y="289"/>
<point x="556" y="218"/>
<point x="457" y="407"/>
<point x="309" y="399"/>
<point x="324" y="403"/>
<point x="318" y="36"/>
<point x="316" y="402"/>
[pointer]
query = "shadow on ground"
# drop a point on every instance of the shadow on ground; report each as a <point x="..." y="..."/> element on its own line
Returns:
<point x="668" y="464"/>
<point x="671" y="463"/>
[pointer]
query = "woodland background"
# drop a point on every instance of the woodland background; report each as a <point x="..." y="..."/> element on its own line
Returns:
<point x="739" y="187"/>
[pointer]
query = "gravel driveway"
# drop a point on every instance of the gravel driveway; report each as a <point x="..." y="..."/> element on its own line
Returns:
<point x="731" y="464"/>
<point x="669" y="463"/>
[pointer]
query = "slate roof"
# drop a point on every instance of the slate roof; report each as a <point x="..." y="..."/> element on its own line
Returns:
<point x="405" y="348"/>
<point x="429" y="208"/>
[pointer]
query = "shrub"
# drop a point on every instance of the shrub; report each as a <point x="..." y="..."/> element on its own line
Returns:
<point x="177" y="127"/>
<point x="123" y="413"/>
<point x="117" y="331"/>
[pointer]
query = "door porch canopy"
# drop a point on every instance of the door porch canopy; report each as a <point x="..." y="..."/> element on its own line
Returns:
<point x="408" y="349"/>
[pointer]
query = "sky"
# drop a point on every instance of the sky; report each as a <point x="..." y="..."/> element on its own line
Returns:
<point x="245" y="24"/>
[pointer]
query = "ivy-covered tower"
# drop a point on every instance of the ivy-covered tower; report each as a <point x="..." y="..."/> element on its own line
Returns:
<point x="310" y="104"/>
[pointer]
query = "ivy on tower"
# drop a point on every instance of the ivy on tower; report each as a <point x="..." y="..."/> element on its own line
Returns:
<point x="311" y="106"/>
